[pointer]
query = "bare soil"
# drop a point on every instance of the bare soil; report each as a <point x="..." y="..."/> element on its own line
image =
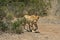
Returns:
<point x="49" y="30"/>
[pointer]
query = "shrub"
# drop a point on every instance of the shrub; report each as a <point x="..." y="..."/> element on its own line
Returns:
<point x="3" y="26"/>
<point x="17" y="26"/>
<point x="9" y="16"/>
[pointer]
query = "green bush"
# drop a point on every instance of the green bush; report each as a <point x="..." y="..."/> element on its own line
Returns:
<point x="17" y="26"/>
<point x="9" y="16"/>
<point x="13" y="8"/>
<point x="3" y="26"/>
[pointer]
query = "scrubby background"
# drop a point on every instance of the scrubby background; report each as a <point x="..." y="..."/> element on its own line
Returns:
<point x="11" y="19"/>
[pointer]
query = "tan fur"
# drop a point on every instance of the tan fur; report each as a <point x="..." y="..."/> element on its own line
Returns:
<point x="32" y="20"/>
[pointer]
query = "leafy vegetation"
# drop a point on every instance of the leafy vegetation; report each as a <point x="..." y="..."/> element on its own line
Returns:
<point x="18" y="8"/>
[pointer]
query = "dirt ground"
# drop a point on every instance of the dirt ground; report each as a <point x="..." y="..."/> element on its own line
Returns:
<point x="48" y="31"/>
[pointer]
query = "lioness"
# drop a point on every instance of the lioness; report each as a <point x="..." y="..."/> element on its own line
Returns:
<point x="31" y="20"/>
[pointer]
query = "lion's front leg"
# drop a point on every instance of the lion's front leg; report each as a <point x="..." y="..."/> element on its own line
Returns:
<point x="35" y="28"/>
